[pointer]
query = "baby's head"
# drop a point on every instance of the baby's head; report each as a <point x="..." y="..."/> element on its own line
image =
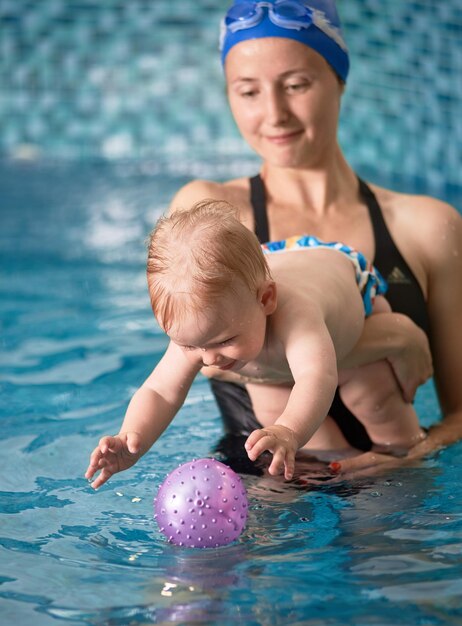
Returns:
<point x="198" y="258"/>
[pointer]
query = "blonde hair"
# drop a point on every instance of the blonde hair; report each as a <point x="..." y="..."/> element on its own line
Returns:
<point x="196" y="255"/>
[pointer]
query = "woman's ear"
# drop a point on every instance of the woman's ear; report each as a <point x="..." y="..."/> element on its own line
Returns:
<point x="267" y="296"/>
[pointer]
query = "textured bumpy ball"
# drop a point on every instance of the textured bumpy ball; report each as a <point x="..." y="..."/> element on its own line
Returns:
<point x="201" y="504"/>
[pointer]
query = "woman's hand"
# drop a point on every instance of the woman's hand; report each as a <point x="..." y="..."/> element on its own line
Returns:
<point x="366" y="464"/>
<point x="374" y="461"/>
<point x="281" y="442"/>
<point x="112" y="455"/>
<point x="412" y="362"/>
<point x="394" y="337"/>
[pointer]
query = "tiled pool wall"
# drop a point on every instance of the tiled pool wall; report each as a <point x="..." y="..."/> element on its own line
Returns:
<point x="141" y="79"/>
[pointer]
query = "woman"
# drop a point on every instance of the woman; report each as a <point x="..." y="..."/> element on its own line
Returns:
<point x="285" y="66"/>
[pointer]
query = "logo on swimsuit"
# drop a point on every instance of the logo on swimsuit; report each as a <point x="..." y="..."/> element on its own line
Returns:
<point x="397" y="277"/>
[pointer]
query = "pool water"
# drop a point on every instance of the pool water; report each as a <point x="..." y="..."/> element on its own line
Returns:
<point x="77" y="338"/>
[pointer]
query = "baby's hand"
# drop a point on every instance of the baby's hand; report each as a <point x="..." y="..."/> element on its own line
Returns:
<point x="112" y="455"/>
<point x="279" y="440"/>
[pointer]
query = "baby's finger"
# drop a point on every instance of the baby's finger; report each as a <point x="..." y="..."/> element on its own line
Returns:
<point x="265" y="442"/>
<point x="289" y="466"/>
<point x="90" y="472"/>
<point x="133" y="442"/>
<point x="93" y="465"/>
<point x="278" y="462"/>
<point x="103" y="477"/>
<point x="253" y="438"/>
<point x="107" y="443"/>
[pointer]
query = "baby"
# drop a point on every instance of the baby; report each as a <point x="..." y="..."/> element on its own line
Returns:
<point x="279" y="318"/>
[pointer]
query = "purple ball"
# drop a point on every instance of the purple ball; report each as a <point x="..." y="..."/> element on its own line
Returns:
<point x="201" y="504"/>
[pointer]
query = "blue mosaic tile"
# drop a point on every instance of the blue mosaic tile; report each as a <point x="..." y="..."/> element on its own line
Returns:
<point x="141" y="78"/>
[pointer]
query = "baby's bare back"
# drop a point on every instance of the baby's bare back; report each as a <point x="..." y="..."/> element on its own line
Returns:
<point x="310" y="283"/>
<point x="325" y="278"/>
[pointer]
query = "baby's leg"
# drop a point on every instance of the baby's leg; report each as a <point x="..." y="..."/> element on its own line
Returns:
<point x="269" y="401"/>
<point x="372" y="394"/>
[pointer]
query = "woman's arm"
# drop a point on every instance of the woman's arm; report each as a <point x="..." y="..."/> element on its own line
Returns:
<point x="442" y="243"/>
<point x="445" y="310"/>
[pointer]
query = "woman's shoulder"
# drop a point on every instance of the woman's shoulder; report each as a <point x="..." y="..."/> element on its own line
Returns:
<point x="421" y="213"/>
<point x="427" y="231"/>
<point x="234" y="191"/>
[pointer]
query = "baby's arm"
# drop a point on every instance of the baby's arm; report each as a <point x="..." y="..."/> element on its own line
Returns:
<point x="151" y="409"/>
<point x="312" y="360"/>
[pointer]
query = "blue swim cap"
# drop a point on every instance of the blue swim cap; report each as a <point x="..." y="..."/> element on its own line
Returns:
<point x="314" y="23"/>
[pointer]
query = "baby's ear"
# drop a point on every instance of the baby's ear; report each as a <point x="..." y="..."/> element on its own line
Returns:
<point x="267" y="296"/>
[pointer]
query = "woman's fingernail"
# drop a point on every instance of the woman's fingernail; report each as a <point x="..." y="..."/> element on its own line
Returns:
<point x="335" y="467"/>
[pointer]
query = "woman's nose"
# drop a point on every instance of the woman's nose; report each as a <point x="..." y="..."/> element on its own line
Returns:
<point x="276" y="108"/>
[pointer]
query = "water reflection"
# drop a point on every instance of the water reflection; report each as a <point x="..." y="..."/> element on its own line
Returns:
<point x="196" y="584"/>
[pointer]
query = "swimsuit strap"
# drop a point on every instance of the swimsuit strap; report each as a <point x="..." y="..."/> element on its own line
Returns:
<point x="260" y="215"/>
<point x="258" y="202"/>
<point x="387" y="253"/>
<point x="383" y="240"/>
<point x="405" y="293"/>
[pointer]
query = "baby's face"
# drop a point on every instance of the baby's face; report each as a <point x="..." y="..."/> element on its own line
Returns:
<point x="225" y="336"/>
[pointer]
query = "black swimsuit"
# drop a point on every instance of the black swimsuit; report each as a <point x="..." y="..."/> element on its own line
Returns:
<point x="404" y="295"/>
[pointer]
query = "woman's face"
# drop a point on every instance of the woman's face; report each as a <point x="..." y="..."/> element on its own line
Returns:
<point x="285" y="99"/>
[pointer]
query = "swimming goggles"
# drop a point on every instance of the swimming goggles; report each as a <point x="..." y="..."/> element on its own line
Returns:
<point x="291" y="14"/>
